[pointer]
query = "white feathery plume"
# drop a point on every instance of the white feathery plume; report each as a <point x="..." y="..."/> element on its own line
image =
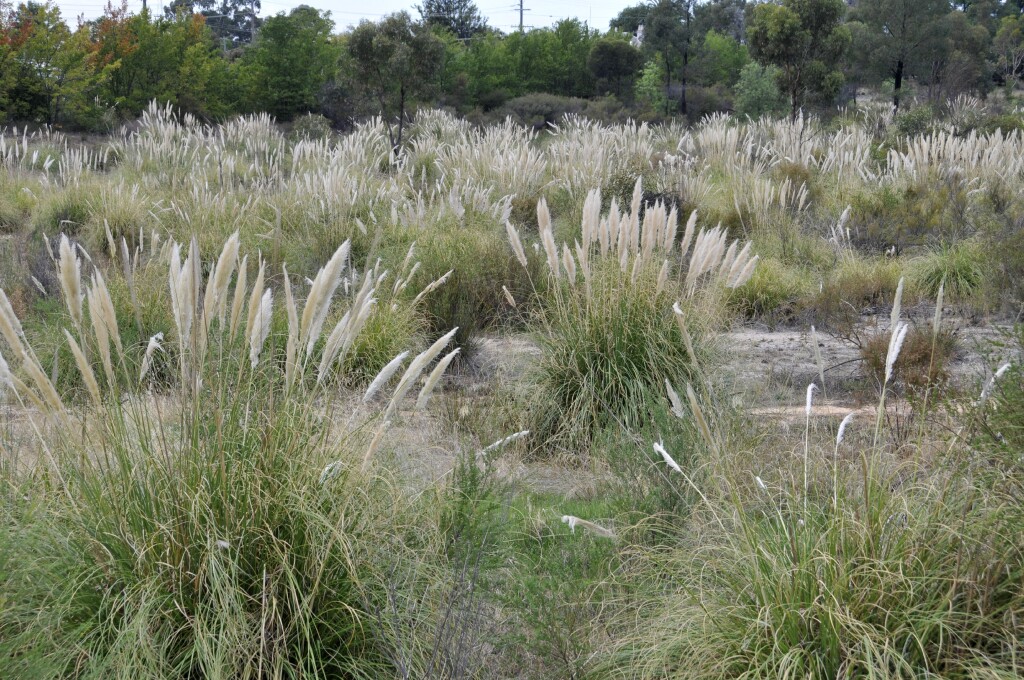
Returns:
<point x="217" y="284"/>
<point x="547" y="237"/>
<point x="760" y="483"/>
<point x="384" y="376"/>
<point x="433" y="378"/>
<point x="569" y="263"/>
<point x="896" y="339"/>
<point x="431" y="287"/>
<point x="595" y="529"/>
<point x="261" y="327"/>
<point x="894" y="316"/>
<point x="254" y="298"/>
<point x="677" y="405"/>
<point x="11" y="329"/>
<point x="71" y="280"/>
<point x="6" y="379"/>
<point x="415" y="369"/>
<point x="508" y="296"/>
<point x="517" y="245"/>
<point x="843" y="425"/>
<point x="151" y="349"/>
<point x="88" y="377"/>
<point x="659" y="447"/>
<point x="502" y="443"/>
<point x="987" y="390"/>
<point x="691" y="223"/>
<point x="320" y="294"/>
<point x="239" y="299"/>
<point x="811" y="389"/>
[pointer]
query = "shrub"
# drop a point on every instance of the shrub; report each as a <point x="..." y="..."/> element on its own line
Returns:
<point x="757" y="92"/>
<point x="311" y="126"/>
<point x="923" y="362"/>
<point x="472" y="297"/>
<point x="914" y="122"/>
<point x="854" y="286"/>
<point x="606" y="357"/>
<point x="12" y="218"/>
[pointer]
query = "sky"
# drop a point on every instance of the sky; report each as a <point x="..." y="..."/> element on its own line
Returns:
<point x="501" y="14"/>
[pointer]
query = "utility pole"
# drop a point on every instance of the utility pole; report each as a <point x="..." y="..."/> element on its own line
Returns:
<point x="520" y="16"/>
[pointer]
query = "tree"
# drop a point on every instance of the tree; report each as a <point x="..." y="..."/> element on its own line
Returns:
<point x="720" y="60"/>
<point x="805" y="39"/>
<point x="293" y="57"/>
<point x="461" y="17"/>
<point x="1009" y="49"/>
<point x="394" y="61"/>
<point x="54" y="72"/>
<point x="897" y="31"/>
<point x="233" y="22"/>
<point x="726" y="17"/>
<point x="170" y="60"/>
<point x="613" y="61"/>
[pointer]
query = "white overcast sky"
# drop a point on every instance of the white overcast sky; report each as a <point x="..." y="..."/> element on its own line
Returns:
<point x="502" y="14"/>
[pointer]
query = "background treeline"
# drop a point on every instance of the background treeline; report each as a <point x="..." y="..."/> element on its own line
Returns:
<point x="659" y="59"/>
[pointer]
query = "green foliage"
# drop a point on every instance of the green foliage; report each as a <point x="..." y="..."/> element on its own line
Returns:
<point x="292" y="59"/>
<point x="899" y="37"/>
<point x="772" y="292"/>
<point x="757" y="93"/>
<point x="395" y="62"/>
<point x="923" y="362"/>
<point x="459" y="17"/>
<point x="721" y="59"/>
<point x="171" y="59"/>
<point x="472" y="298"/>
<point x="650" y="88"/>
<point x="805" y="39"/>
<point x="614" y="64"/>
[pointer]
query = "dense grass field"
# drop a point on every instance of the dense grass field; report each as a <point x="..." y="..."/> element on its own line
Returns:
<point x="279" y="404"/>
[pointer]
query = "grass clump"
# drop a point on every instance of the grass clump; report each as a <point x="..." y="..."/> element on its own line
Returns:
<point x="606" y="355"/>
<point x="959" y="267"/>
<point x="221" y="527"/>
<point x="881" y="584"/>
<point x="614" y="329"/>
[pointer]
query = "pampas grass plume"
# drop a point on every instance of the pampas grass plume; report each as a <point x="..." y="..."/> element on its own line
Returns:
<point x="659" y="447"/>
<point x="384" y="376"/>
<point x="434" y="377"/>
<point x="88" y="377"/>
<point x="71" y="280"/>
<point x="517" y="245"/>
<point x="261" y="327"/>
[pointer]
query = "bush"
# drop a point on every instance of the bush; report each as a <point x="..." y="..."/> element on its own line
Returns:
<point x="12" y="218"/>
<point x="914" y="122"/>
<point x="923" y="362"/>
<point x="855" y="285"/>
<point x="66" y="211"/>
<point x="213" y="529"/>
<point x="311" y="126"/>
<point x="757" y="92"/>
